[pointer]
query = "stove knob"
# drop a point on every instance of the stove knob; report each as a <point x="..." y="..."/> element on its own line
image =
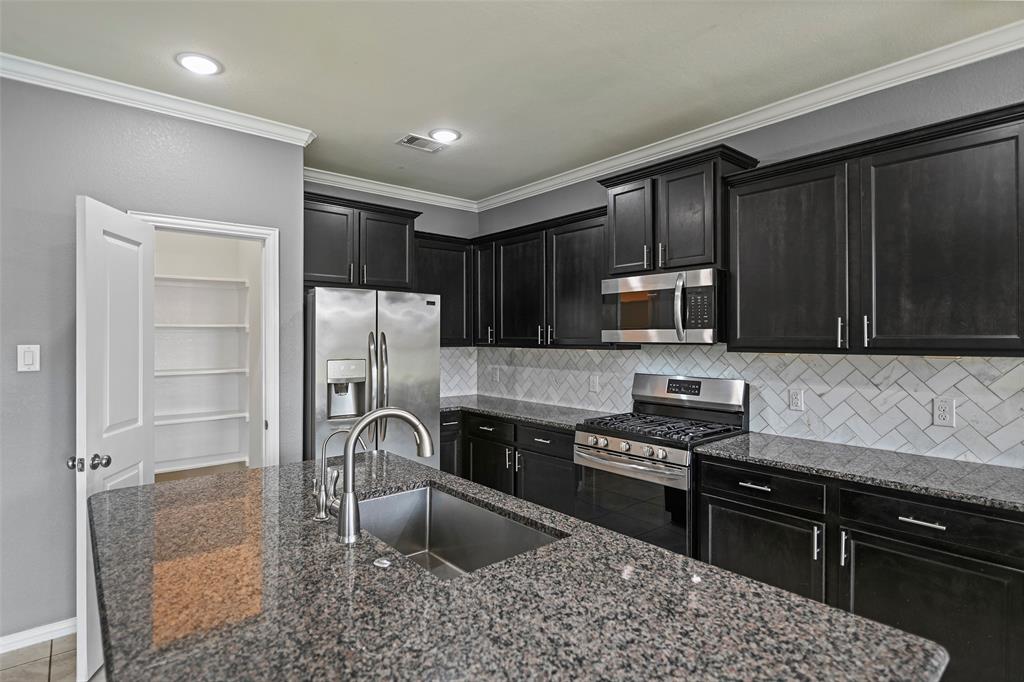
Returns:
<point x="648" y="451"/>
<point x="602" y="442"/>
<point x="662" y="454"/>
<point x="624" y="446"/>
<point x="591" y="440"/>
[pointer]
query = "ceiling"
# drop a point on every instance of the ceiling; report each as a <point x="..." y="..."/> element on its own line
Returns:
<point x="537" y="88"/>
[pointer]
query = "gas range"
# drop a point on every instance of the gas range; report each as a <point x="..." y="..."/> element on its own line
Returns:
<point x="671" y="415"/>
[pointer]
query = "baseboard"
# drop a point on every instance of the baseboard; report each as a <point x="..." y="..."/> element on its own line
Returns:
<point x="43" y="633"/>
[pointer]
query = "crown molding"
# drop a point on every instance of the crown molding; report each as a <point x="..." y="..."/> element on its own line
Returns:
<point x="323" y="177"/>
<point x="59" y="78"/>
<point x="975" y="48"/>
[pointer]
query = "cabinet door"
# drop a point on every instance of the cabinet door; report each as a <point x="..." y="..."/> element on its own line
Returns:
<point x="546" y="480"/>
<point x="490" y="464"/>
<point x="631" y="227"/>
<point x="788" y="244"/>
<point x="385" y="250"/>
<point x="443" y="268"/>
<point x="330" y="243"/>
<point x="686" y="217"/>
<point x="484" y="331"/>
<point x="520" y="266"/>
<point x="943" y="248"/>
<point x="575" y="257"/>
<point x="973" y="608"/>
<point x="777" y="549"/>
<point x="449" y="451"/>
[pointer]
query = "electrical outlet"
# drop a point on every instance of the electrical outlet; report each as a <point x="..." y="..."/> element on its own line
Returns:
<point x="496" y="375"/>
<point x="944" y="411"/>
<point x="796" y="399"/>
<point x="595" y="384"/>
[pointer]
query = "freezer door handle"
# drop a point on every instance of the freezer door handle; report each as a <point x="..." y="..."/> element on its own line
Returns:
<point x="384" y="382"/>
<point x="371" y="390"/>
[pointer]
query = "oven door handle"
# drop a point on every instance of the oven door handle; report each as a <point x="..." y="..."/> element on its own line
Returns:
<point x="677" y="307"/>
<point x="680" y="480"/>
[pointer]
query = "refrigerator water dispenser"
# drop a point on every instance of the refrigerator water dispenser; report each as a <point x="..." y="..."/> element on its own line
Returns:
<point x="346" y="388"/>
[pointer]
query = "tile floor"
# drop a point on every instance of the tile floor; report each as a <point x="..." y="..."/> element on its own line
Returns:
<point x="52" y="661"/>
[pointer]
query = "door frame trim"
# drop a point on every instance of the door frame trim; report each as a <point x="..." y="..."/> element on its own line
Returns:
<point x="270" y="341"/>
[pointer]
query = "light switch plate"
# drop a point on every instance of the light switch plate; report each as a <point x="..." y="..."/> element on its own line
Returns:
<point x="595" y="384"/>
<point x="28" y="358"/>
<point x="796" y="399"/>
<point x="944" y="411"/>
<point x="496" y="375"/>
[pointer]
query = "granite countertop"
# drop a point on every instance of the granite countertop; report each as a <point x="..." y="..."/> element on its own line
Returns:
<point x="983" y="484"/>
<point x="550" y="416"/>
<point x="228" y="577"/>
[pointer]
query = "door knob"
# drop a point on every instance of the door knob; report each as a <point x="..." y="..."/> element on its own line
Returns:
<point x="96" y="462"/>
<point x="75" y="463"/>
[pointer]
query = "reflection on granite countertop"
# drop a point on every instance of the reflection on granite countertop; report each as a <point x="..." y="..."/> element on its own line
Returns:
<point x="228" y="577"/>
<point x="551" y="416"/>
<point x="973" y="482"/>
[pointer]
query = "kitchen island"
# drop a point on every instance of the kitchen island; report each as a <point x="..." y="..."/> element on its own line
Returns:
<point x="228" y="577"/>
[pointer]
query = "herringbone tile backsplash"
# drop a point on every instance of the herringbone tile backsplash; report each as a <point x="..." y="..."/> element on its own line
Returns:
<point x="873" y="400"/>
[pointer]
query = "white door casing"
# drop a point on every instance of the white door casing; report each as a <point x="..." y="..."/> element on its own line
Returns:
<point x="114" y="377"/>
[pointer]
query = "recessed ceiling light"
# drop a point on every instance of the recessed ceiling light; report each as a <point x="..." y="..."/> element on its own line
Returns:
<point x="199" y="63"/>
<point x="445" y="135"/>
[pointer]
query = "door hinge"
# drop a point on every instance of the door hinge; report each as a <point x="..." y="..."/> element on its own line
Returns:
<point x="266" y="425"/>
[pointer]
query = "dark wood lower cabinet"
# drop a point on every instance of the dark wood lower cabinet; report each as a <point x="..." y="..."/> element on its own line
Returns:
<point x="490" y="464"/>
<point x="546" y="480"/>
<point x="450" y="452"/>
<point x="777" y="549"/>
<point x="973" y="608"/>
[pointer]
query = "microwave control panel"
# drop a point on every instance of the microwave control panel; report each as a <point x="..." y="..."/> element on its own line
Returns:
<point x="700" y="308"/>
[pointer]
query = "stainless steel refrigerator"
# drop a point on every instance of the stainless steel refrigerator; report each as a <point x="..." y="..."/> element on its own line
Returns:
<point x="367" y="349"/>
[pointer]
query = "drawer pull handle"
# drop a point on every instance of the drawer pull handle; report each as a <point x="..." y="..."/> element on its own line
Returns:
<point x="755" y="486"/>
<point x="449" y="423"/>
<point x="918" y="522"/>
<point x="542" y="440"/>
<point x="486" y="428"/>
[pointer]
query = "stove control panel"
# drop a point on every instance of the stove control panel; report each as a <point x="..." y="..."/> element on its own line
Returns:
<point x="627" y="450"/>
<point x="683" y="387"/>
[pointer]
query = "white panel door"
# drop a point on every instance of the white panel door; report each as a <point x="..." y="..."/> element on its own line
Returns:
<point x="114" y="340"/>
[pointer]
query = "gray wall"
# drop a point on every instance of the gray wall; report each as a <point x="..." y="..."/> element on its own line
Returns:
<point x="438" y="219"/>
<point x="976" y="87"/>
<point x="55" y="146"/>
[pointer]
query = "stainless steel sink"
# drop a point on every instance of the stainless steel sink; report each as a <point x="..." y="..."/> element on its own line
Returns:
<point x="444" y="534"/>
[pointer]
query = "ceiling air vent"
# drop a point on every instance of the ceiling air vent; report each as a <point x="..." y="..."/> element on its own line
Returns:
<point x="424" y="144"/>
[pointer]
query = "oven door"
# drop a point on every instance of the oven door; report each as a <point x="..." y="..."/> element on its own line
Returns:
<point x="633" y="497"/>
<point x="668" y="307"/>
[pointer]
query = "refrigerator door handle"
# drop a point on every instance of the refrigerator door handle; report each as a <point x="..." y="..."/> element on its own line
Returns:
<point x="371" y="389"/>
<point x="384" y="382"/>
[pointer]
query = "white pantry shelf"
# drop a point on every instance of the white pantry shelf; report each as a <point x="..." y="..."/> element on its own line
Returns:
<point x="196" y="372"/>
<point x="240" y="325"/>
<point x="184" y="279"/>
<point x="196" y="417"/>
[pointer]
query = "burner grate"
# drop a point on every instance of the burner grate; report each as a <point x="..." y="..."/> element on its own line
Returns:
<point x="668" y="428"/>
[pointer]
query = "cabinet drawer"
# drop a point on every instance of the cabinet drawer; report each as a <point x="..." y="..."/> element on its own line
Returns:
<point x="451" y="422"/>
<point x="771" y="487"/>
<point x="967" y="529"/>
<point x="489" y="427"/>
<point x="557" y="443"/>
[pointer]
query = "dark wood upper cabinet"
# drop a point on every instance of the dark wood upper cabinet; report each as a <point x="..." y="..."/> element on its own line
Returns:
<point x="943" y="244"/>
<point x="484" y="322"/>
<point x="911" y="243"/>
<point x="351" y="242"/>
<point x="331" y="242"/>
<point x="386" y="250"/>
<point x="574" y="273"/>
<point x="443" y="267"/>
<point x="519" y="262"/>
<point x="686" y="217"/>
<point x="973" y="608"/>
<point x="667" y="216"/>
<point x="630" y="227"/>
<point x="788" y="275"/>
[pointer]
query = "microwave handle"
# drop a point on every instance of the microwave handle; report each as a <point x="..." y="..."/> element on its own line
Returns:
<point x="678" y="314"/>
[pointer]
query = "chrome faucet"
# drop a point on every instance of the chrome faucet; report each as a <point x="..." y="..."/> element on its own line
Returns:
<point x="348" y="511"/>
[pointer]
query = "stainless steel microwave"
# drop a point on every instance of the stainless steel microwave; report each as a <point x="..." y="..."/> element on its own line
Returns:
<point x="668" y="307"/>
